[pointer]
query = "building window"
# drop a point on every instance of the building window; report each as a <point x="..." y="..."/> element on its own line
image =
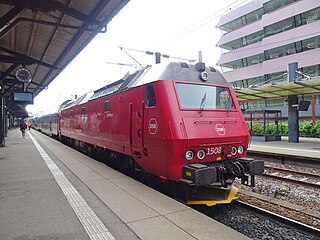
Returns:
<point x="276" y="77"/>
<point x="255" y="37"/>
<point x="310" y="16"/>
<point x="311" y="71"/>
<point x="289" y="49"/>
<point x="235" y="85"/>
<point x="281" y="51"/>
<point x="309" y="44"/>
<point x="278" y="27"/>
<point x="245" y="62"/>
<point x="244" y="41"/>
<point x="256" y="59"/>
<point x="298" y="20"/>
<point x="298" y="46"/>
<point x="276" y="4"/>
<point x="305" y="45"/>
<point x="232" y="65"/>
<point x="254" y="16"/>
<point x="230" y="26"/>
<point x="106" y="106"/>
<point x="273" y="53"/>
<point x="150" y="96"/>
<point x="243" y="20"/>
<point x="232" y="45"/>
<point x="256" y="81"/>
<point x="248" y="82"/>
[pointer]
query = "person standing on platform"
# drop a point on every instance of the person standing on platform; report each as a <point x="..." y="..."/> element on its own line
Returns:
<point x="23" y="127"/>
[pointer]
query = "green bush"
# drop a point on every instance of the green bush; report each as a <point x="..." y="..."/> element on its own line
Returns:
<point x="316" y="127"/>
<point x="307" y="129"/>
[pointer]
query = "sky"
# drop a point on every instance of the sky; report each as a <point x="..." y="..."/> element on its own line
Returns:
<point x="178" y="28"/>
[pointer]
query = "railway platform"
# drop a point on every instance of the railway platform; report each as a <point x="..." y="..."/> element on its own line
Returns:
<point x="51" y="191"/>
<point x="307" y="148"/>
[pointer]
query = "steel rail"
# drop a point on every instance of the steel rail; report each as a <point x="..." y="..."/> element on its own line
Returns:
<point x="309" y="184"/>
<point x="301" y="161"/>
<point x="292" y="171"/>
<point x="281" y="219"/>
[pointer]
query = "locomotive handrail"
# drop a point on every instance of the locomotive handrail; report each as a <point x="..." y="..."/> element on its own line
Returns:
<point x="218" y="144"/>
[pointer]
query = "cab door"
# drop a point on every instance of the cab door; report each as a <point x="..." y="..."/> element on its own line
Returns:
<point x="136" y="123"/>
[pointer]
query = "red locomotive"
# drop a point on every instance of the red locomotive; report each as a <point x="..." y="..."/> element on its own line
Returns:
<point x="179" y="122"/>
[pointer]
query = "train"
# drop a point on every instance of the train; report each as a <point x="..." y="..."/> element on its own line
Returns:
<point x="177" y="122"/>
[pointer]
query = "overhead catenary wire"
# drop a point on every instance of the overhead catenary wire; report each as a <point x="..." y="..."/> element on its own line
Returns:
<point x="131" y="56"/>
<point x="124" y="64"/>
<point x="187" y="31"/>
<point x="153" y="53"/>
<point x="199" y="24"/>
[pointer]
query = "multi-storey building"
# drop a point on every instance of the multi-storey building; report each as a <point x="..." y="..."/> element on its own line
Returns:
<point x="262" y="37"/>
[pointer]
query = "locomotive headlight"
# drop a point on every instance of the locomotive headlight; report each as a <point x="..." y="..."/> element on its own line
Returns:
<point x="201" y="154"/>
<point x="233" y="151"/>
<point x="204" y="76"/>
<point x="189" y="155"/>
<point x="240" y="149"/>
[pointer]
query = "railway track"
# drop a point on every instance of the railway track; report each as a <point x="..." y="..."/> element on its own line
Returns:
<point x="285" y="159"/>
<point x="258" y="223"/>
<point x="294" y="176"/>
<point x="310" y="230"/>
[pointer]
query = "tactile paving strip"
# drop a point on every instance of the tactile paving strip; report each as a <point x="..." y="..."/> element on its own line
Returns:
<point x="92" y="224"/>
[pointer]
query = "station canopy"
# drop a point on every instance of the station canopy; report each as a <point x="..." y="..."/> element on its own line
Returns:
<point x="44" y="36"/>
<point x="305" y="86"/>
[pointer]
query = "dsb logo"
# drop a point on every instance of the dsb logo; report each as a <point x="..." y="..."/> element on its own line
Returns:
<point x="220" y="129"/>
<point x="153" y="126"/>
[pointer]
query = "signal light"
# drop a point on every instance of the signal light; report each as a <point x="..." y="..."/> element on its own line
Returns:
<point x="240" y="149"/>
<point x="234" y="151"/>
<point x="201" y="154"/>
<point x="189" y="155"/>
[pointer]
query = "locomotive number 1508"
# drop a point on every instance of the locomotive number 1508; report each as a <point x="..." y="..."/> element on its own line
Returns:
<point x="214" y="150"/>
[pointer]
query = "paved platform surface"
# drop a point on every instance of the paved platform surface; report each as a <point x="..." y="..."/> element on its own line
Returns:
<point x="308" y="147"/>
<point x="51" y="191"/>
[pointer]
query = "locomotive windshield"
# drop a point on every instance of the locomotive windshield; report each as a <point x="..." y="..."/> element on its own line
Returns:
<point x="204" y="97"/>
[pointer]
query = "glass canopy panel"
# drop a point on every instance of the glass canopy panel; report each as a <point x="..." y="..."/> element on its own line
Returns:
<point x="280" y="89"/>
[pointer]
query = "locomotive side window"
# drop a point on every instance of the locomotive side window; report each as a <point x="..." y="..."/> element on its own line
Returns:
<point x="71" y="113"/>
<point x="204" y="97"/>
<point x="83" y="111"/>
<point x="107" y="106"/>
<point x="150" y="96"/>
<point x="65" y="113"/>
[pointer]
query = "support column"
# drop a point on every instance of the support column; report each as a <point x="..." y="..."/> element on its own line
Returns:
<point x="313" y="110"/>
<point x="2" y="127"/>
<point x="293" y="119"/>
<point x="293" y="113"/>
<point x="6" y="124"/>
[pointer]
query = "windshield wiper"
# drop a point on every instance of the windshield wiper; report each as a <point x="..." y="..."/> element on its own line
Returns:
<point x="202" y="102"/>
<point x="229" y="104"/>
